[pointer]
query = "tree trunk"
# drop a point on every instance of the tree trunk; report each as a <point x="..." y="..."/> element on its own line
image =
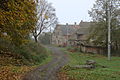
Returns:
<point x="116" y="45"/>
<point x="35" y="37"/>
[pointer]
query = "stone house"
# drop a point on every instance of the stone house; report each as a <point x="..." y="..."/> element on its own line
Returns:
<point x="71" y="34"/>
<point x="63" y="33"/>
<point x="83" y="34"/>
<point x="76" y="35"/>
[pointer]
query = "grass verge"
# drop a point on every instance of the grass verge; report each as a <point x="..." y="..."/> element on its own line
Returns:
<point x="111" y="72"/>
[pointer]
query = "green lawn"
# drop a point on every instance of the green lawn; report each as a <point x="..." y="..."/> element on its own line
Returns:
<point x="112" y="72"/>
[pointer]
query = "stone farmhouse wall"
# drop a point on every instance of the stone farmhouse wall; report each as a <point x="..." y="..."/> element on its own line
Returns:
<point x="92" y="49"/>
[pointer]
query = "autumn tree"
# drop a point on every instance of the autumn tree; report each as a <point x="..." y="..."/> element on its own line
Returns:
<point x="46" y="18"/>
<point x="99" y="14"/>
<point x="17" y="19"/>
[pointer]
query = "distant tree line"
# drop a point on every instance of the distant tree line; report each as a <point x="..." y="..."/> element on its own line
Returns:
<point x="45" y="38"/>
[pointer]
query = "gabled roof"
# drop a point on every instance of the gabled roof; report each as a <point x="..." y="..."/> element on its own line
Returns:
<point x="85" y="24"/>
<point x="84" y="27"/>
<point x="67" y="29"/>
<point x="83" y="30"/>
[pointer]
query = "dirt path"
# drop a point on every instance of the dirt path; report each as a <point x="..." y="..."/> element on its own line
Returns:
<point x="48" y="71"/>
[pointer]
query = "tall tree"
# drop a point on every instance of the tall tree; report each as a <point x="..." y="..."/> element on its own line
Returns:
<point x="17" y="19"/>
<point x="46" y="18"/>
<point x="99" y="14"/>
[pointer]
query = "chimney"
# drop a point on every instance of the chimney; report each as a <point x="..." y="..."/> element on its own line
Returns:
<point x="66" y="24"/>
<point x="75" y="23"/>
<point x="81" y="22"/>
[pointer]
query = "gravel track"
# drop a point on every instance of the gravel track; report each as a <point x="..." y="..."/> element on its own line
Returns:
<point x="48" y="71"/>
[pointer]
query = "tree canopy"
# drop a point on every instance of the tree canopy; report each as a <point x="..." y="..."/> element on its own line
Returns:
<point x="99" y="14"/>
<point x="17" y="19"/>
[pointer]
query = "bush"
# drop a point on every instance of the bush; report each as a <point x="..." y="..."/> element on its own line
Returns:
<point x="33" y="52"/>
<point x="30" y="53"/>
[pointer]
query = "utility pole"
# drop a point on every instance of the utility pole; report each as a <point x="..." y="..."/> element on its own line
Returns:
<point x="50" y="36"/>
<point x="67" y="34"/>
<point x="109" y="31"/>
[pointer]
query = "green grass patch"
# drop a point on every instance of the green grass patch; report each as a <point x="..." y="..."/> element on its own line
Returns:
<point x="111" y="72"/>
<point x="48" y="59"/>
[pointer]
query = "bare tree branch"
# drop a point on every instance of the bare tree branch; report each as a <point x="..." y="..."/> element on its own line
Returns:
<point x="45" y="17"/>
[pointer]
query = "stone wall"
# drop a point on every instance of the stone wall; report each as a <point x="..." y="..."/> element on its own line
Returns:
<point x="92" y="49"/>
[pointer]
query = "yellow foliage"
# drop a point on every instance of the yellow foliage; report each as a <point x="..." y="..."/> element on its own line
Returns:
<point x="14" y="72"/>
<point x="46" y="17"/>
<point x="7" y="69"/>
<point x="18" y="20"/>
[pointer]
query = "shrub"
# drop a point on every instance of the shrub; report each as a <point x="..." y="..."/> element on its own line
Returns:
<point x="33" y="52"/>
<point x="30" y="53"/>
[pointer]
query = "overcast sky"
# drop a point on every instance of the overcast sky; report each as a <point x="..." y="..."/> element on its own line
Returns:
<point x="70" y="11"/>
